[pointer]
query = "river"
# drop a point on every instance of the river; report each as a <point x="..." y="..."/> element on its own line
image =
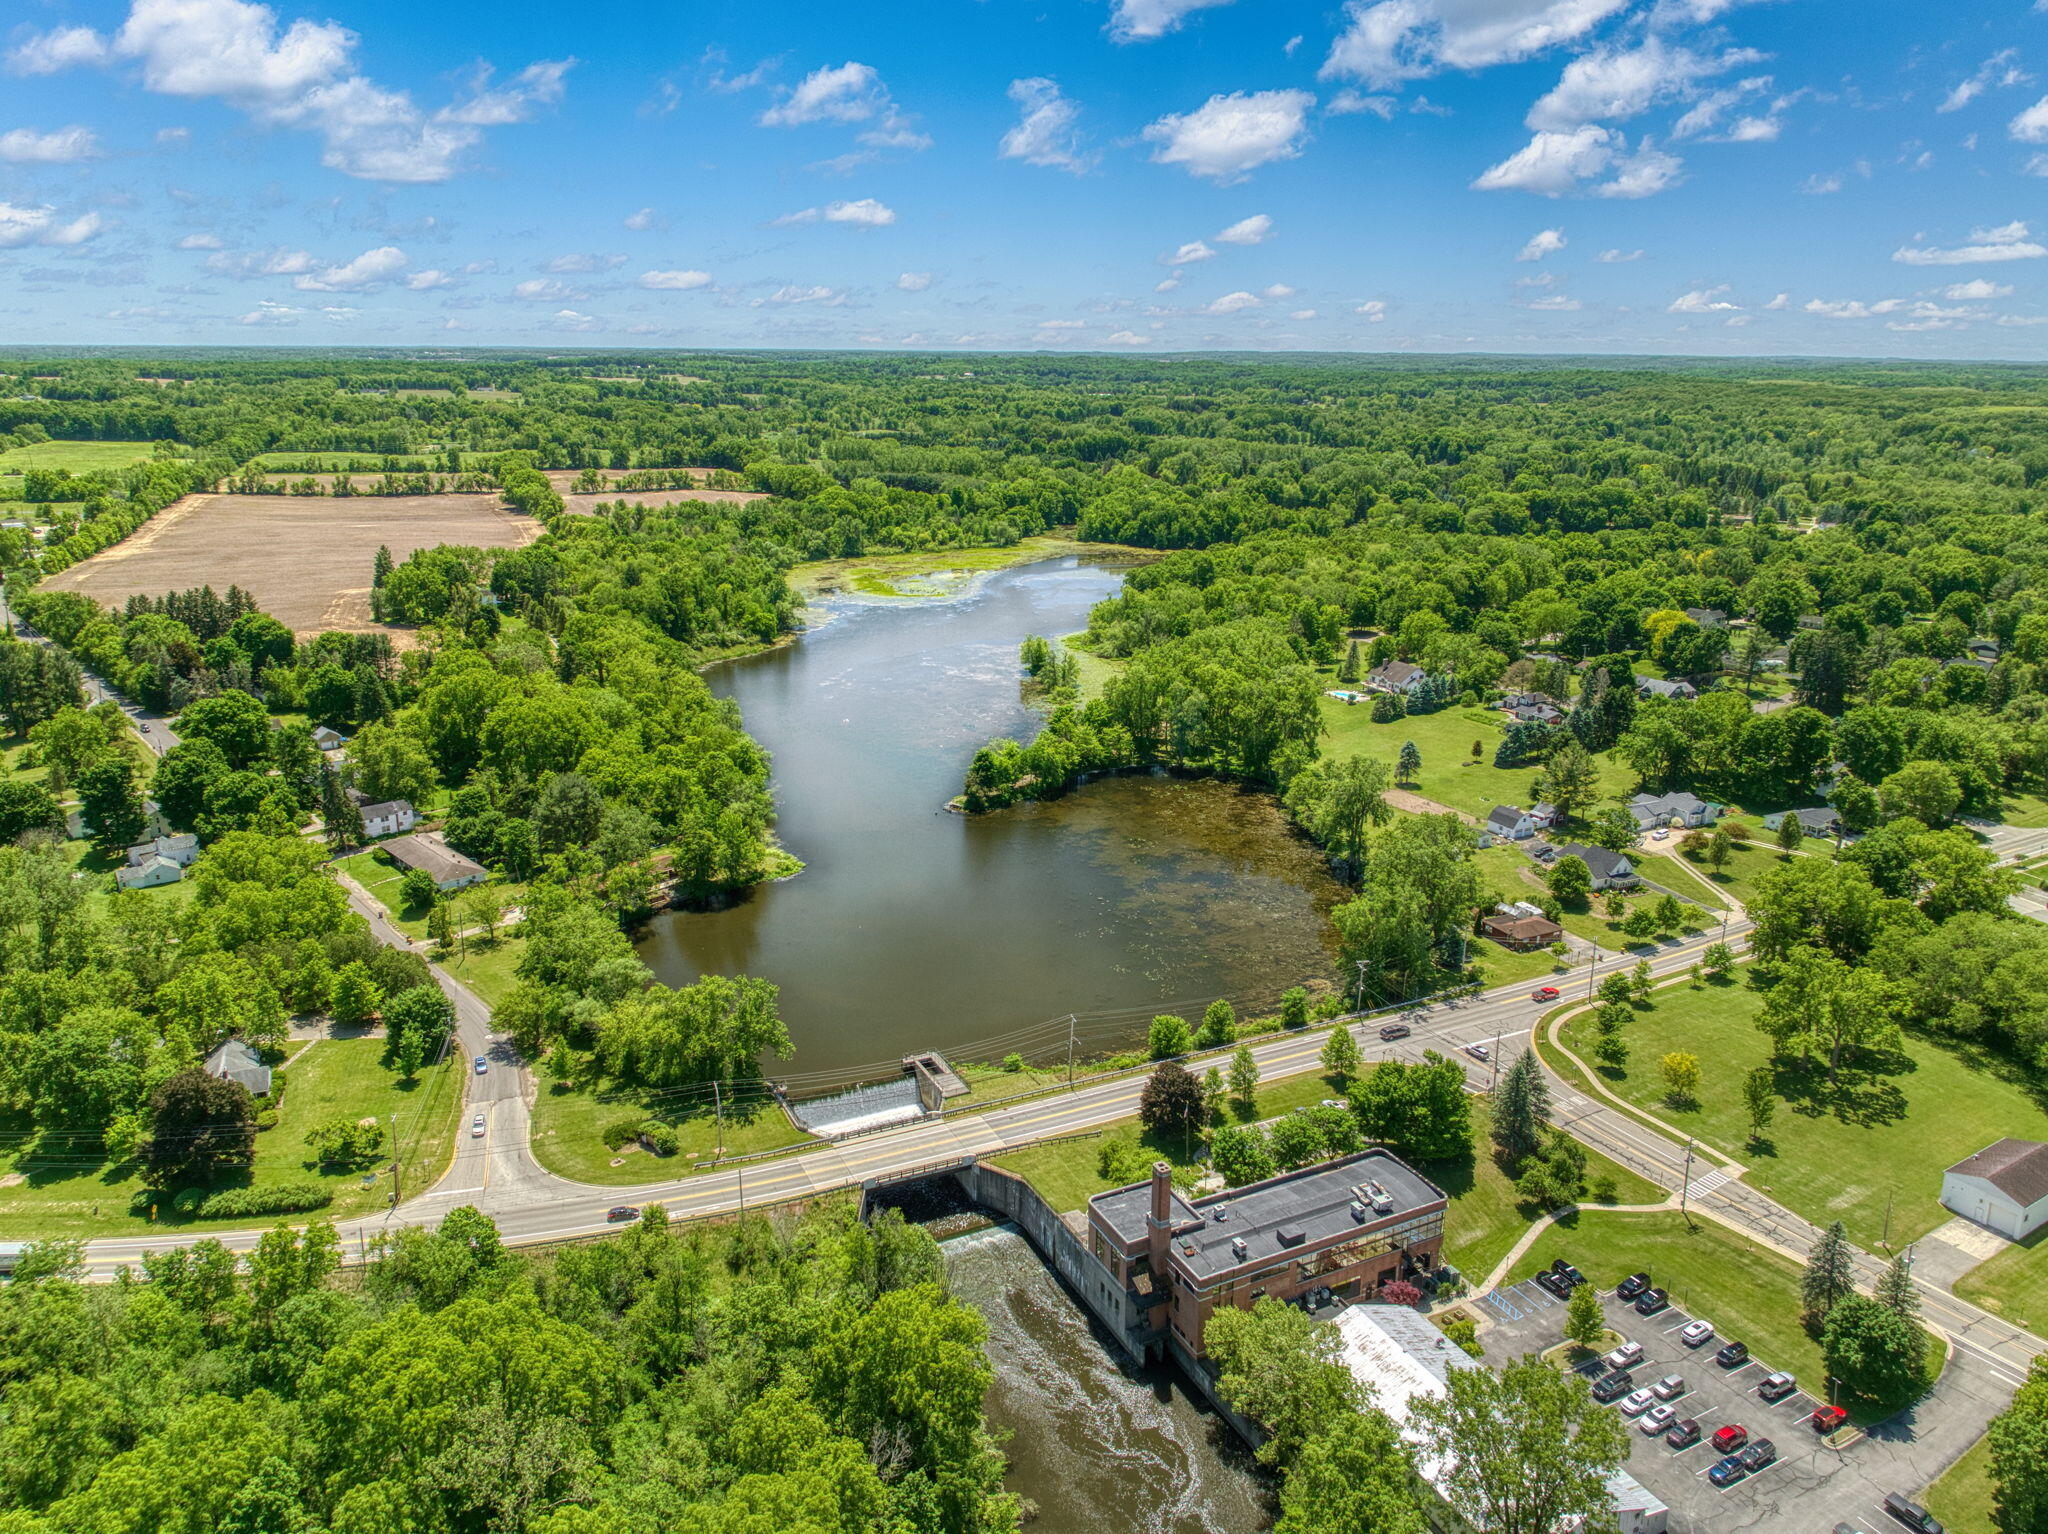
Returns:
<point x="912" y="928"/>
<point x="1093" y="1446"/>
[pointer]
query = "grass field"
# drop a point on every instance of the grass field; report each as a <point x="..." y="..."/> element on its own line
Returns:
<point x="1747" y="863"/>
<point x="78" y="457"/>
<point x="1879" y="1143"/>
<point x="2014" y="1284"/>
<point x="1450" y="774"/>
<point x="937" y="572"/>
<point x="1484" y="1222"/>
<point x="73" y="1192"/>
<point x="305" y="558"/>
<point x="381" y="878"/>
<point x="1751" y="1294"/>
<point x="1961" y="1499"/>
<point x="569" y="1120"/>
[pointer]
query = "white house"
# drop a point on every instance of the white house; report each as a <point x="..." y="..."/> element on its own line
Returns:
<point x="388" y="818"/>
<point x="2004" y="1187"/>
<point x="328" y="740"/>
<point x="182" y="849"/>
<point x="1610" y="870"/>
<point x="1506" y="823"/>
<point x="1395" y="676"/>
<point x="158" y="870"/>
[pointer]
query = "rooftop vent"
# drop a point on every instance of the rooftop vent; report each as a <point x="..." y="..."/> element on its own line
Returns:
<point x="1291" y="1235"/>
<point x="1357" y="1211"/>
<point x="1220" y="1213"/>
<point x="1237" y="1246"/>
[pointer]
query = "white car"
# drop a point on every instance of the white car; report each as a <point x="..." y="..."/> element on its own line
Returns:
<point x="1696" y="1333"/>
<point x="1656" y="1419"/>
<point x="1623" y="1356"/>
<point x="476" y="1127"/>
<point x="1636" y="1402"/>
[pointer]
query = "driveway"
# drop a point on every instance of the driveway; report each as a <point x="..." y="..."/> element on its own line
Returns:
<point x="1811" y="1486"/>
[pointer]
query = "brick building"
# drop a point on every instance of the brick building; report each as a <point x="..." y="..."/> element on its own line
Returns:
<point x="1349" y="1226"/>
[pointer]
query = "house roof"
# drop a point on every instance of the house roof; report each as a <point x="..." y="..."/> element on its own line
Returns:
<point x="1677" y="802"/>
<point x="433" y="856"/>
<point x="1707" y="617"/>
<point x="1505" y="818"/>
<point x="1819" y="819"/>
<point x="1396" y="671"/>
<point x="2016" y="1168"/>
<point x="235" y="1060"/>
<point x="388" y="808"/>
<point x="1602" y="863"/>
<point x="1524" y="928"/>
<point x="1663" y="688"/>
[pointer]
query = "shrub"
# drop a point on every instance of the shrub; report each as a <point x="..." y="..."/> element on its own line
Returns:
<point x="1400" y="1292"/>
<point x="1605" y="1191"/>
<point x="659" y="1137"/>
<point x="247" y="1203"/>
<point x="1013" y="1063"/>
<point x="267" y="1119"/>
<point x="189" y="1200"/>
<point x="1121" y="1160"/>
<point x="621" y="1132"/>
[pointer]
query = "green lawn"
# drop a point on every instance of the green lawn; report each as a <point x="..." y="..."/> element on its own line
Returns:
<point x="569" y="1120"/>
<point x="1878" y="1142"/>
<point x="1484" y="1221"/>
<point x="1450" y="774"/>
<point x="382" y="877"/>
<point x="1747" y="863"/>
<point x="1961" y="1499"/>
<point x="1750" y="1293"/>
<point x="485" y="967"/>
<point x="74" y="1193"/>
<point x="2014" y="1284"/>
<point x="78" y="457"/>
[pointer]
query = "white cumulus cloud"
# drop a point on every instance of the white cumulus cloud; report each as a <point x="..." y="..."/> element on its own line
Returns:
<point x="368" y="270"/>
<point x="1703" y="301"/>
<point x="1976" y="290"/>
<point x="1388" y="41"/>
<point x="1228" y="137"/>
<point x="1046" y="132"/>
<point x="1374" y="310"/>
<point x="674" y="281"/>
<point x="865" y="213"/>
<point x="642" y="219"/>
<point x="1132" y="21"/>
<point x="1617" y="256"/>
<point x="2006" y="242"/>
<point x="1614" y="83"/>
<point x="2001" y="69"/>
<point x="1255" y="230"/>
<point x="1231" y="303"/>
<point x="25" y="146"/>
<point x="914" y="282"/>
<point x="20" y="225"/>
<point x="1542" y="243"/>
<point x="60" y="49"/>
<point x="1127" y="338"/>
<point x="1188" y="254"/>
<point x="1553" y="164"/>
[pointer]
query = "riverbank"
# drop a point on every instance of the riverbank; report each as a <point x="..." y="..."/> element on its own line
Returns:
<point x="943" y="574"/>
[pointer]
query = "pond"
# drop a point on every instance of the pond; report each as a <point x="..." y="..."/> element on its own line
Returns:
<point x="915" y="928"/>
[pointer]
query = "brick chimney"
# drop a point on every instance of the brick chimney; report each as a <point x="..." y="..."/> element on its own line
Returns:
<point x="1159" y="1227"/>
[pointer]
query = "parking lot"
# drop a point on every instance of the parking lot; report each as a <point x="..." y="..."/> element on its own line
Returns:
<point x="1810" y="1486"/>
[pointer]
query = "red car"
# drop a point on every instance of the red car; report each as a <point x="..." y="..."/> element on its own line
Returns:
<point x="1544" y="993"/>
<point x="1730" y="1438"/>
<point x="1827" y="1418"/>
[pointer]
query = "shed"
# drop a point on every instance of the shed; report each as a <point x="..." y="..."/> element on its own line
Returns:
<point x="2004" y="1187"/>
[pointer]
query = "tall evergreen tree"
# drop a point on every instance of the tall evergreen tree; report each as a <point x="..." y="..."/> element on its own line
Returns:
<point x="1830" y="1274"/>
<point x="1895" y="1290"/>
<point x="1521" y="1106"/>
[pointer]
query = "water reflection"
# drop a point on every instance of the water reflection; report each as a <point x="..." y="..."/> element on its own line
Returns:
<point x="913" y="928"/>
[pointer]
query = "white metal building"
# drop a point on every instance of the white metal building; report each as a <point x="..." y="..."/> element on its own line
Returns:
<point x="2004" y="1187"/>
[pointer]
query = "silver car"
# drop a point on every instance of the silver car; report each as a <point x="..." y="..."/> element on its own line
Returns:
<point x="1696" y="1333"/>
<point x="1623" y="1356"/>
<point x="1636" y="1402"/>
<point x="1669" y="1388"/>
<point x="476" y="1127"/>
<point x="1656" y="1419"/>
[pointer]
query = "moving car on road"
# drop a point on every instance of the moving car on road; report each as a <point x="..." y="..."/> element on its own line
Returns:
<point x="1478" y="1051"/>
<point x="482" y="1065"/>
<point x="622" y="1212"/>
<point x="476" y="1127"/>
<point x="1395" y="1030"/>
<point x="1544" y="993"/>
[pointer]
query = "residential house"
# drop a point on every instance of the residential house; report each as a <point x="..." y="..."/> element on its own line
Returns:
<point x="1652" y="810"/>
<point x="77" y="827"/>
<point x="426" y="851"/>
<point x="1610" y="870"/>
<point x="236" y="1060"/>
<point x="1985" y="650"/>
<point x="1818" y="821"/>
<point x="1515" y="700"/>
<point x="1536" y="713"/>
<point x="1395" y="676"/>
<point x="1545" y="816"/>
<point x="1708" y="617"/>
<point x="1657" y="687"/>
<point x="1401" y="1357"/>
<point x="2004" y="1187"/>
<point x="1506" y="823"/>
<point x="149" y="874"/>
<point x="1349" y="1226"/>
<point x="1521" y="933"/>
<point x="388" y="818"/>
<point x="182" y="849"/>
<point x="328" y="740"/>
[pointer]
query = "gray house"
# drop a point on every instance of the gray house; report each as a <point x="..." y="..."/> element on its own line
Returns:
<point x="237" y="1061"/>
<point x="1818" y="821"/>
<point x="1662" y="809"/>
<point x="1610" y="870"/>
<point x="1657" y="687"/>
<point x="1395" y="676"/>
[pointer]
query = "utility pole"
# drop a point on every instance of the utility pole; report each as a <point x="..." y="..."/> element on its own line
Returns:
<point x="1361" y="985"/>
<point x="1885" y="1240"/>
<point x="396" y="1188"/>
<point x="718" y="1110"/>
<point x="1685" y="1185"/>
<point x="1493" y="1058"/>
<point x="1591" y="971"/>
<point x="1070" y="1051"/>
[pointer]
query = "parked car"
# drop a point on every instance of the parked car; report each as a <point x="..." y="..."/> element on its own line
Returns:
<point x="1395" y="1030"/>
<point x="476" y="1127"/>
<point x="1612" y="1388"/>
<point x="1777" y="1386"/>
<point x="1624" y="1356"/>
<point x="1670" y="1388"/>
<point x="619" y="1213"/>
<point x="1697" y="1333"/>
<point x="1544" y="993"/>
<point x="1650" y="1301"/>
<point x="482" y="1065"/>
<point x="1656" y="1419"/>
<point x="1685" y="1432"/>
<point x="1728" y="1471"/>
<point x="1632" y="1286"/>
<point x="1758" y="1455"/>
<point x="1636" y="1402"/>
<point x="1478" y="1051"/>
<point x="1733" y="1356"/>
<point x="1827" y="1418"/>
<point x="1730" y="1438"/>
<point x="1912" y="1514"/>
<point x="1560" y="1278"/>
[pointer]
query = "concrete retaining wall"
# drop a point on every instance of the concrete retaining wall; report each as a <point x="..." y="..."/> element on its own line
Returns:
<point x="1064" y="1252"/>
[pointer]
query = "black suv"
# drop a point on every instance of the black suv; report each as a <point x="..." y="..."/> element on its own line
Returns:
<point x="1560" y="1278"/>
<point x="1614" y="1386"/>
<point x="1733" y="1356"/>
<point x="1632" y="1286"/>
<point x="1912" y="1514"/>
<point x="1758" y="1455"/>
<point x="1650" y="1301"/>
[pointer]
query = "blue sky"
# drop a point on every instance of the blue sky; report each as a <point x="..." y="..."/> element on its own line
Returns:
<point x="1696" y="176"/>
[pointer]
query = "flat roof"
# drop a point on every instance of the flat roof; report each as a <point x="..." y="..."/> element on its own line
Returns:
<point x="1294" y="1212"/>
